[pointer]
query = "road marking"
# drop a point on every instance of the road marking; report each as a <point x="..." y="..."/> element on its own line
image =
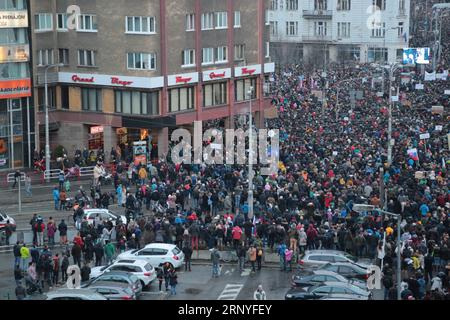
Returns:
<point x="230" y="292"/>
<point x="246" y="272"/>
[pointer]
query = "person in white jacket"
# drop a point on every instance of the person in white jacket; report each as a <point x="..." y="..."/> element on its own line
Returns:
<point x="259" y="294"/>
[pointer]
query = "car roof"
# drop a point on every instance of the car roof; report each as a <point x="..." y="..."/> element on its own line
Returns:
<point x="109" y="284"/>
<point x="326" y="272"/>
<point x="116" y="273"/>
<point x="137" y="262"/>
<point x="160" y="246"/>
<point x="72" y="292"/>
<point x="318" y="252"/>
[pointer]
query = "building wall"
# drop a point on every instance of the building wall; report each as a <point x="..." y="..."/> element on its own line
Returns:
<point x="358" y="16"/>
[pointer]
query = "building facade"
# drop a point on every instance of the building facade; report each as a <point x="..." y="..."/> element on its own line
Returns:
<point x="319" y="31"/>
<point x="138" y="68"/>
<point x="16" y="111"/>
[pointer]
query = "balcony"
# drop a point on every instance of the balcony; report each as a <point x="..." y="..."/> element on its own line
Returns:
<point x="317" y="14"/>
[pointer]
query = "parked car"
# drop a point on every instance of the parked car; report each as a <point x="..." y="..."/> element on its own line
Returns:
<point x="320" y="276"/>
<point x="325" y="289"/>
<point x="141" y="269"/>
<point x="118" y="277"/>
<point x="104" y="214"/>
<point x="346" y="269"/>
<point x="316" y="258"/>
<point x="344" y="297"/>
<point x="157" y="254"/>
<point x="113" y="291"/>
<point x="74" y="294"/>
<point x="4" y="218"/>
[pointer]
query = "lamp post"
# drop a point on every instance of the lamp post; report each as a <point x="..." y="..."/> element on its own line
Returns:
<point x="363" y="208"/>
<point x="47" y="134"/>
<point x="250" y="157"/>
<point x="393" y="68"/>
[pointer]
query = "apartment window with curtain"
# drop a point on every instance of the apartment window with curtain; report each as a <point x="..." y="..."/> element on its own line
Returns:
<point x="320" y="28"/>
<point x="237" y="19"/>
<point x="241" y="88"/>
<point x="221" y="20"/>
<point x="207" y="21"/>
<point x="141" y="61"/>
<point x="43" y="22"/>
<point x="274" y="28"/>
<point x="343" y="5"/>
<point x="215" y="94"/>
<point x="87" y="23"/>
<point x="343" y="29"/>
<point x="239" y="52"/>
<point x="207" y="56"/>
<point x="190" y="22"/>
<point x="181" y="99"/>
<point x="320" y="4"/>
<point x="292" y="5"/>
<point x="136" y="102"/>
<point x="87" y="58"/>
<point x="63" y="56"/>
<point x="91" y="99"/>
<point x="141" y="25"/>
<point x="273" y="5"/>
<point x="188" y="58"/>
<point x="45" y="57"/>
<point x="378" y="31"/>
<point x="221" y="55"/>
<point x="292" y="28"/>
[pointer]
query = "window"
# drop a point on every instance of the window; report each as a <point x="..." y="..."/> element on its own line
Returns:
<point x="239" y="52"/>
<point x="401" y="7"/>
<point x="51" y="97"/>
<point x="355" y="53"/>
<point x="292" y="28"/>
<point x="400" y="29"/>
<point x="87" y="58"/>
<point x="141" y="61"/>
<point x="91" y="99"/>
<point x="221" y="54"/>
<point x="221" y="20"/>
<point x="45" y="57"/>
<point x="140" y="103"/>
<point x="65" y="97"/>
<point x="344" y="5"/>
<point x="274" y="28"/>
<point x="319" y="278"/>
<point x="13" y="36"/>
<point x="61" y="22"/>
<point x="63" y="56"/>
<point x="188" y="57"/>
<point x="207" y="56"/>
<point x="343" y="29"/>
<point x="380" y="4"/>
<point x="273" y="5"/>
<point x="339" y="259"/>
<point x="241" y="89"/>
<point x="378" y="30"/>
<point x="322" y="290"/>
<point x="87" y="23"/>
<point x="207" y="21"/>
<point x="291" y="5"/>
<point x="190" y="22"/>
<point x="237" y="19"/>
<point x="215" y="94"/>
<point x="377" y="55"/>
<point x="181" y="99"/>
<point x="320" y="4"/>
<point x="320" y="28"/>
<point x="43" y="22"/>
<point x="14" y="70"/>
<point x="141" y="25"/>
<point x="13" y="4"/>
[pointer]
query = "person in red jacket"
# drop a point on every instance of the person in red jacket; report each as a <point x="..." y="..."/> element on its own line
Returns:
<point x="78" y="240"/>
<point x="236" y="234"/>
<point x="311" y="235"/>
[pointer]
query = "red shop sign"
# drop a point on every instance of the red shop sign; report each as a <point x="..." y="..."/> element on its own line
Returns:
<point x="182" y="80"/>
<point x="76" y="78"/>
<point x="115" y="80"/>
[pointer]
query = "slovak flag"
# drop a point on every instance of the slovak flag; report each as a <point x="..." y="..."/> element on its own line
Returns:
<point x="413" y="154"/>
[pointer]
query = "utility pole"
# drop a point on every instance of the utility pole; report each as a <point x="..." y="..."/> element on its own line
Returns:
<point x="250" y="158"/>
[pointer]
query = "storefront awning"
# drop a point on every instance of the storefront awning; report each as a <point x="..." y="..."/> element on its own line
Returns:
<point x="146" y="123"/>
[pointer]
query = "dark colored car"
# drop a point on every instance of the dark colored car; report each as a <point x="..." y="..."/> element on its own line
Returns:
<point x="320" y="276"/>
<point x="326" y="289"/>
<point x="118" y="277"/>
<point x="346" y="269"/>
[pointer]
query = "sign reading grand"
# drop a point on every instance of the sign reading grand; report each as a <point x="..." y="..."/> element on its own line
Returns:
<point x="13" y="19"/>
<point x="11" y="89"/>
<point x="111" y="80"/>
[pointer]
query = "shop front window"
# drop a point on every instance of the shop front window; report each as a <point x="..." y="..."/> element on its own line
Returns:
<point x="11" y="134"/>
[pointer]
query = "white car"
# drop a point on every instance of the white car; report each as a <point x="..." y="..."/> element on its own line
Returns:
<point x="140" y="268"/>
<point x="157" y="254"/>
<point x="4" y="218"/>
<point x="104" y="214"/>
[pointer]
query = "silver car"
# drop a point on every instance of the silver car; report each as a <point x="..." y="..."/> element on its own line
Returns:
<point x="74" y="294"/>
<point x="316" y="258"/>
<point x="113" y="291"/>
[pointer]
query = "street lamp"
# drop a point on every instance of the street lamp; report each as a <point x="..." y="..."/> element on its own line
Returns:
<point x="47" y="135"/>
<point x="365" y="208"/>
<point x="250" y="157"/>
<point x="394" y="67"/>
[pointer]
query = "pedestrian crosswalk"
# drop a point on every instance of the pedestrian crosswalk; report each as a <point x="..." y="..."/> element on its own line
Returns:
<point x="231" y="292"/>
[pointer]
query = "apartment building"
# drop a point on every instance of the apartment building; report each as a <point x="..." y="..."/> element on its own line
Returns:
<point x="138" y="68"/>
<point x="16" y="111"/>
<point x="318" y="31"/>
